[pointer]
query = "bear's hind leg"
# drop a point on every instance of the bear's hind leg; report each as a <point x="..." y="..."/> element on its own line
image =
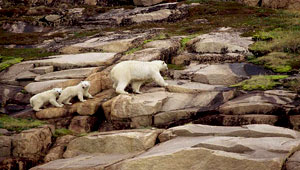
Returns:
<point x="136" y="85"/>
<point x="67" y="101"/>
<point x="37" y="106"/>
<point x="121" y="86"/>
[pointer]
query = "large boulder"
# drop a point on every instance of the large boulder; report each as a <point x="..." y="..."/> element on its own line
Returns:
<point x="114" y="142"/>
<point x="268" y="102"/>
<point x="5" y="146"/>
<point x="260" y="147"/>
<point x="33" y="143"/>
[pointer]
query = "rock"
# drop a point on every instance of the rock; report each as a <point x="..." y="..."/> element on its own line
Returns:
<point x="83" y="124"/>
<point x="251" y="131"/>
<point x="152" y="16"/>
<point x="86" y="162"/>
<point x="91" y="106"/>
<point x="12" y="94"/>
<point x="90" y="2"/>
<point x="79" y="73"/>
<point x="217" y="48"/>
<point x="33" y="143"/>
<point x="257" y="103"/>
<point x="37" y="87"/>
<point x="249" y="150"/>
<point x="5" y="146"/>
<point x="58" y="149"/>
<point x="99" y="81"/>
<point x="9" y="75"/>
<point x="147" y="54"/>
<point x="42" y="70"/>
<point x="295" y="121"/>
<point x="60" y="122"/>
<point x="53" y="112"/>
<point x="139" y="105"/>
<point x="61" y="62"/>
<point x="114" y="142"/>
<point x="293" y="162"/>
<point x="186" y="86"/>
<point x="249" y="2"/>
<point x="52" y="18"/>
<point x="116" y="43"/>
<point x="27" y="75"/>
<point x="146" y="2"/>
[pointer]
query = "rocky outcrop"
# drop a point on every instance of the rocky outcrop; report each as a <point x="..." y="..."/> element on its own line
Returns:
<point x="146" y="3"/>
<point x="283" y="4"/>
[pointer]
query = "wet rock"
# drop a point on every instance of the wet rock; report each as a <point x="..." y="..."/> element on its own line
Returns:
<point x="83" y="124"/>
<point x="62" y="62"/>
<point x="257" y="103"/>
<point x="58" y="149"/>
<point x="42" y="70"/>
<point x="249" y="147"/>
<point x="146" y="2"/>
<point x="79" y="73"/>
<point x="37" y="87"/>
<point x="33" y="143"/>
<point x="114" y="142"/>
<point x="5" y="146"/>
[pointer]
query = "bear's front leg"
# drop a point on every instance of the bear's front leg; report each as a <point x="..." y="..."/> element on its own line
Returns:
<point x="80" y="97"/>
<point x="88" y="95"/>
<point x="54" y="103"/>
<point x="159" y="80"/>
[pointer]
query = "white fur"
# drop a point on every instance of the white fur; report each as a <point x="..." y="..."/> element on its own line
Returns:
<point x="81" y="90"/>
<point x="41" y="99"/>
<point x="136" y="73"/>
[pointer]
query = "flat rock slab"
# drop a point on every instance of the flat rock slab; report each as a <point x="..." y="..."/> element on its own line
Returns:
<point x="260" y="147"/>
<point x="271" y="101"/>
<point x="218" y="74"/>
<point x="42" y="70"/>
<point x="79" y="73"/>
<point x="62" y="62"/>
<point x="186" y="86"/>
<point x="37" y="87"/>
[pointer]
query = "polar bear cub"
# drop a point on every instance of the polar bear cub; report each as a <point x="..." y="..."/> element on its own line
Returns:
<point x="41" y="99"/>
<point x="81" y="90"/>
<point x="136" y="73"/>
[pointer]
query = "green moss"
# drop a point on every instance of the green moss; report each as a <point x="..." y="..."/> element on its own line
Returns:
<point x="293" y="85"/>
<point x="132" y="50"/>
<point x="18" y="125"/>
<point x="260" y="82"/>
<point x="62" y="132"/>
<point x="176" y="67"/>
<point x="185" y="40"/>
<point x="9" y="62"/>
<point x="158" y="37"/>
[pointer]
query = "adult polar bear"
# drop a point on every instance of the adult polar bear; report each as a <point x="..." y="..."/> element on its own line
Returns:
<point x="40" y="99"/>
<point x="136" y="73"/>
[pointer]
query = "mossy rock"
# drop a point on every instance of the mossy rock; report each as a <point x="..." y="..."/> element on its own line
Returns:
<point x="261" y="82"/>
<point x="62" y="132"/>
<point x="17" y="124"/>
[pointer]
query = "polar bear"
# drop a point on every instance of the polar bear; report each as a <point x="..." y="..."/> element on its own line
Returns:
<point x="81" y="90"/>
<point x="136" y="73"/>
<point x="41" y="99"/>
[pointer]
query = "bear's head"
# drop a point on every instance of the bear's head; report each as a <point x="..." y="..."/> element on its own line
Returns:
<point x="85" y="84"/>
<point x="57" y="91"/>
<point x="161" y="65"/>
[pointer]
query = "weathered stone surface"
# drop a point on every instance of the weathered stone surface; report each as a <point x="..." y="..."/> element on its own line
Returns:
<point x="27" y="75"/>
<point x="33" y="143"/>
<point x="147" y="54"/>
<point x="217" y="48"/>
<point x="83" y="124"/>
<point x="37" y="87"/>
<point x="99" y="81"/>
<point x="12" y="95"/>
<point x="114" y="142"/>
<point x="5" y="146"/>
<point x="79" y="73"/>
<point x="293" y="162"/>
<point x="295" y="121"/>
<point x="58" y="149"/>
<point x="258" y="147"/>
<point x="62" y="62"/>
<point x="146" y="2"/>
<point x="9" y="75"/>
<point x="186" y="86"/>
<point x="84" y="162"/>
<point x="145" y="104"/>
<point x="42" y="70"/>
<point x="249" y="2"/>
<point x="257" y="103"/>
<point x="52" y="112"/>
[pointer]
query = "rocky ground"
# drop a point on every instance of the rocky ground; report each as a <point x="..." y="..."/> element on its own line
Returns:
<point x="204" y="119"/>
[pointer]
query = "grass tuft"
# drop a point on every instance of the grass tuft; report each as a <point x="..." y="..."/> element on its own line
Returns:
<point x="62" y="132"/>
<point x="16" y="124"/>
